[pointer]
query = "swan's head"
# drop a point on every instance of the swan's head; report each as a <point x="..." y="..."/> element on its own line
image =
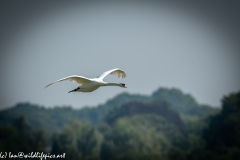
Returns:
<point x="123" y="85"/>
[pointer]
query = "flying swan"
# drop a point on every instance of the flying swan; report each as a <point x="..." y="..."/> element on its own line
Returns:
<point x="91" y="84"/>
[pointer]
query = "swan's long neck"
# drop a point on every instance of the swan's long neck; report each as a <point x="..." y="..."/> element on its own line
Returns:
<point x="112" y="84"/>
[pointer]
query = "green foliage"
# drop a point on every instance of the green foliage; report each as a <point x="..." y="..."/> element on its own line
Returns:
<point x="137" y="108"/>
<point x="183" y="103"/>
<point x="51" y="119"/>
<point x="231" y="103"/>
<point x="224" y="128"/>
<point x="137" y="137"/>
<point x="222" y="134"/>
<point x="179" y="101"/>
<point x="78" y="141"/>
<point x="19" y="137"/>
<point x="168" y="125"/>
<point x="125" y="98"/>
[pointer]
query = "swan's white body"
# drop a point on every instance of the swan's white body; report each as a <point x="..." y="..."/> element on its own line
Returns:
<point x="91" y="84"/>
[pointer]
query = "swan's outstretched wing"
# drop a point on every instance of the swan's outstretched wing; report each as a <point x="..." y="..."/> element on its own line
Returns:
<point x="77" y="79"/>
<point x="117" y="72"/>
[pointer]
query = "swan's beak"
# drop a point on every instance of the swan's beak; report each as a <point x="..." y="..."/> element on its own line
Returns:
<point x="125" y="86"/>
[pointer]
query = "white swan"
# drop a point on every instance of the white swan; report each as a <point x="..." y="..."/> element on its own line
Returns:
<point x="91" y="84"/>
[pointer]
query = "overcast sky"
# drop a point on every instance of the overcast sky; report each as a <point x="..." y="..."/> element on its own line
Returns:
<point x="193" y="47"/>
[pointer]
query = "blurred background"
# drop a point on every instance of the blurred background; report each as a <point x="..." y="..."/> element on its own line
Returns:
<point x="182" y="63"/>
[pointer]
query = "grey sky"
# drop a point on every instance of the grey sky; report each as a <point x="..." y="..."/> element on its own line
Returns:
<point x="163" y="45"/>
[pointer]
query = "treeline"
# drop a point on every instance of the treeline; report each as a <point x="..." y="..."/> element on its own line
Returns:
<point x="52" y="119"/>
<point x="167" y="125"/>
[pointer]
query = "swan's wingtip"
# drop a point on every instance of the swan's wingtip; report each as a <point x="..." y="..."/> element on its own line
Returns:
<point x="47" y="85"/>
